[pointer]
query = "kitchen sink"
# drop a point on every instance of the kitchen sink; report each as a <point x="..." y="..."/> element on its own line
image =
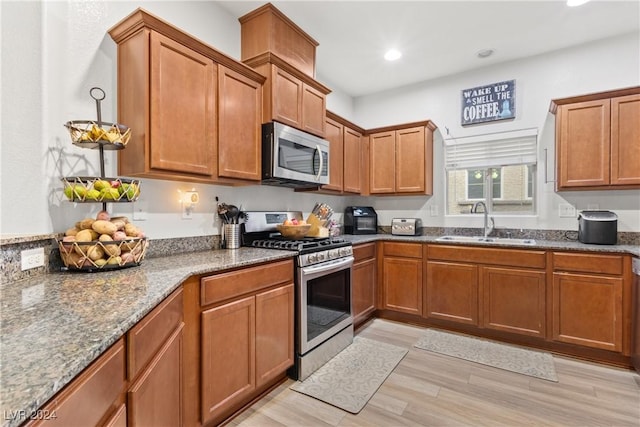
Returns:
<point x="482" y="239"/>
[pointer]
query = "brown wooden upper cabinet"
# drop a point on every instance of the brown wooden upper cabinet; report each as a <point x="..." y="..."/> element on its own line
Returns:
<point x="194" y="112"/>
<point x="598" y="140"/>
<point x="282" y="52"/>
<point x="345" y="141"/>
<point x="291" y="97"/>
<point x="401" y="159"/>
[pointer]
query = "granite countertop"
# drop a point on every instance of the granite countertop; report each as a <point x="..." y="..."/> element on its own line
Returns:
<point x="540" y="244"/>
<point x="54" y="325"/>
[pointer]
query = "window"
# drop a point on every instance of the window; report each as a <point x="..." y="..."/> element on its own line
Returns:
<point x="498" y="169"/>
<point x="476" y="181"/>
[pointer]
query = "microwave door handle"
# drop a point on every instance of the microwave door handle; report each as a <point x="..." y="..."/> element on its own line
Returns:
<point x="321" y="162"/>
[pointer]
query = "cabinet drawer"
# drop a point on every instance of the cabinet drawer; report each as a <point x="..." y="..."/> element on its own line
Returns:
<point x="407" y="250"/>
<point x="91" y="396"/>
<point x="364" y="251"/>
<point x="588" y="263"/>
<point x="509" y="257"/>
<point x="234" y="283"/>
<point x="146" y="337"/>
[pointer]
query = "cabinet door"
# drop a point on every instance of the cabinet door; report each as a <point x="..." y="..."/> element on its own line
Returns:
<point x="314" y="108"/>
<point x="382" y="154"/>
<point x="363" y="289"/>
<point x="410" y="160"/>
<point x="183" y="116"/>
<point x="286" y="96"/>
<point x="352" y="158"/>
<point x="625" y="140"/>
<point x="402" y="284"/>
<point x="587" y="310"/>
<point x="88" y="399"/>
<point x="583" y="143"/>
<point x="333" y="134"/>
<point x="155" y="399"/>
<point x="274" y="333"/>
<point x="228" y="356"/>
<point x="452" y="292"/>
<point x="239" y="123"/>
<point x="514" y="300"/>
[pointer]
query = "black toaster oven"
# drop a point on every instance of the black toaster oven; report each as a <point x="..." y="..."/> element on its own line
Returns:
<point x="360" y="220"/>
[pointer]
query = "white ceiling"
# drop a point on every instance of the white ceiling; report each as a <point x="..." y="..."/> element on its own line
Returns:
<point x="439" y="38"/>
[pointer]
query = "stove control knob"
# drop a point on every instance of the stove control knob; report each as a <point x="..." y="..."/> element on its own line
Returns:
<point x="344" y="251"/>
<point x="334" y="253"/>
<point x="321" y="256"/>
<point x="312" y="258"/>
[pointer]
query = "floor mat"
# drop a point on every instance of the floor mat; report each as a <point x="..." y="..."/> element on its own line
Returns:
<point x="511" y="358"/>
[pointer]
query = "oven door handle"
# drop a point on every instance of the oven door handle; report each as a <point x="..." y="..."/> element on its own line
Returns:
<point x="326" y="267"/>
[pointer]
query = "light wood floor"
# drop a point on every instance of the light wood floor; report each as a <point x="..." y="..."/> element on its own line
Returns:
<point x="428" y="389"/>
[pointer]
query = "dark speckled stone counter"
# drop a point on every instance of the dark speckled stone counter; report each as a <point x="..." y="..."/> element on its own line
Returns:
<point x="540" y="244"/>
<point x="53" y="326"/>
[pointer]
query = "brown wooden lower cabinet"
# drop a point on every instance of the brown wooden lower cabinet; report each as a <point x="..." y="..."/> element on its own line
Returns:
<point x="93" y="397"/>
<point x="363" y="286"/>
<point x="402" y="277"/>
<point x="155" y="366"/>
<point x="246" y="330"/>
<point x="452" y="292"/>
<point x="155" y="399"/>
<point x="513" y="300"/>
<point x="119" y="419"/>
<point x="228" y="356"/>
<point x="587" y="310"/>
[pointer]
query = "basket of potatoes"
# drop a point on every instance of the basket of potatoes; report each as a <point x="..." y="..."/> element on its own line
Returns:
<point x="103" y="243"/>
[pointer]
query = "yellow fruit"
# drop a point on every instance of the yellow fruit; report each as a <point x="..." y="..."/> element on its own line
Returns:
<point x="92" y="195"/>
<point x="96" y="132"/>
<point x="112" y="136"/>
<point x="109" y="194"/>
<point x="101" y="184"/>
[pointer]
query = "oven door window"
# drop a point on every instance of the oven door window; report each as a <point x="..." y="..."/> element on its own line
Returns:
<point x="328" y="302"/>
<point x="301" y="159"/>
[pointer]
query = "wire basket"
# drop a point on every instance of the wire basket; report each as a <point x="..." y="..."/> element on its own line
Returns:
<point x="102" y="255"/>
<point x="91" y="134"/>
<point x="95" y="189"/>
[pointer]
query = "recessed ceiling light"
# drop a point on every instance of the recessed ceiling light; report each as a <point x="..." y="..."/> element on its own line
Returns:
<point x="574" y="3"/>
<point x="485" y="53"/>
<point x="392" y="55"/>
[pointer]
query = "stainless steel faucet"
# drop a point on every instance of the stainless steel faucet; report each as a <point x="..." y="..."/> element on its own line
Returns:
<point x="488" y="228"/>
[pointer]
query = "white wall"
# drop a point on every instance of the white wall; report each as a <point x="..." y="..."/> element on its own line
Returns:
<point x="604" y="65"/>
<point x="54" y="52"/>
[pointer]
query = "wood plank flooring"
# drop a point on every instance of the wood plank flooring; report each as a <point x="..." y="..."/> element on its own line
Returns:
<point x="428" y="389"/>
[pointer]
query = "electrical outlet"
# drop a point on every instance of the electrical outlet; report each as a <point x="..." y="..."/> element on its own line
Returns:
<point x="566" y="210"/>
<point x="187" y="213"/>
<point x="31" y="258"/>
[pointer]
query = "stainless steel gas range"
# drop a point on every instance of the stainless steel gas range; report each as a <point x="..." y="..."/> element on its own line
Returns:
<point x="324" y="320"/>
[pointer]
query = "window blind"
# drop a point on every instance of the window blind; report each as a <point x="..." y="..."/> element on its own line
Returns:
<point x="492" y="150"/>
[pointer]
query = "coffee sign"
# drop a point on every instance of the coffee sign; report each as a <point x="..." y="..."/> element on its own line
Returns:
<point x="488" y="103"/>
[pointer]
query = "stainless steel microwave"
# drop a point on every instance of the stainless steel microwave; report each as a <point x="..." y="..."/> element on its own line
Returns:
<point x="292" y="158"/>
